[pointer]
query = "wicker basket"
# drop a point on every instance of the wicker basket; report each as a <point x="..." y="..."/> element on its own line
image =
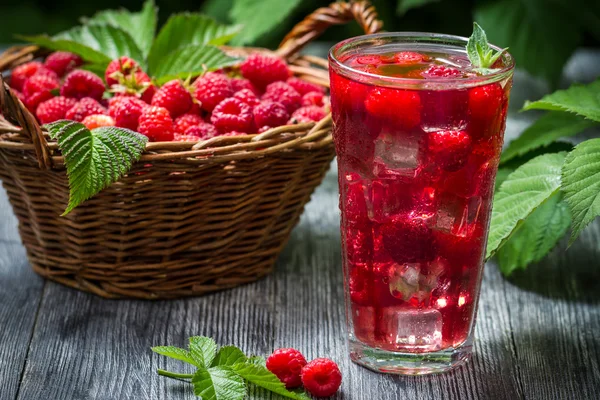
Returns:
<point x="190" y="218"/>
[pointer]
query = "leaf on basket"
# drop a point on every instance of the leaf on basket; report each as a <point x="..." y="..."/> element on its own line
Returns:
<point x="95" y="159"/>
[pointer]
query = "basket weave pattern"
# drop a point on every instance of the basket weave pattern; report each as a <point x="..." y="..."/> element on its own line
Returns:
<point x="189" y="218"/>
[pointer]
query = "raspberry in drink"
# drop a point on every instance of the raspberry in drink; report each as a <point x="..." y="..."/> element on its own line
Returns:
<point x="418" y="133"/>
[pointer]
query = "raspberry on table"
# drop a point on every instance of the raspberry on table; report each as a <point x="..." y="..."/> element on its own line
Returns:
<point x="79" y="84"/>
<point x="321" y="377"/>
<point x="399" y="107"/>
<point x="247" y="96"/>
<point x="232" y="115"/>
<point x="126" y="111"/>
<point x="122" y="65"/>
<point x="283" y="93"/>
<point x="185" y="121"/>
<point x="262" y="69"/>
<point x="23" y="72"/>
<point x="174" y="97"/>
<point x="303" y="87"/>
<point x="449" y="149"/>
<point x="269" y="114"/>
<point x="97" y="120"/>
<point x="308" y="114"/>
<point x="287" y="365"/>
<point x="203" y="130"/>
<point x="54" y="109"/>
<point x="40" y="83"/>
<point x="313" y="99"/>
<point x="83" y="108"/>
<point x="63" y="62"/>
<point x="211" y="89"/>
<point x="238" y="84"/>
<point x="156" y="123"/>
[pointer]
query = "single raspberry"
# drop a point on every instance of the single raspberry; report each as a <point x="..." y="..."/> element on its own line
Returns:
<point x="262" y="69"/>
<point x="174" y="97"/>
<point x="54" y="109"/>
<point x="313" y="99"/>
<point x="83" y="108"/>
<point x="449" y="149"/>
<point x="321" y="377"/>
<point x="123" y="65"/>
<point x="409" y="57"/>
<point x="247" y="96"/>
<point x="191" y="137"/>
<point x="303" y="87"/>
<point x="195" y="109"/>
<point x="157" y="124"/>
<point x="136" y="84"/>
<point x="36" y="99"/>
<point x="211" y="89"/>
<point x="23" y="72"/>
<point x="441" y="71"/>
<point x="408" y="238"/>
<point x="40" y="83"/>
<point x="203" y="130"/>
<point x="146" y="88"/>
<point x="126" y="111"/>
<point x="43" y="70"/>
<point x="79" y="84"/>
<point x="98" y="120"/>
<point x="287" y="365"/>
<point x="270" y="114"/>
<point x="485" y="101"/>
<point x="238" y="84"/>
<point x="232" y="115"/>
<point x="183" y="122"/>
<point x="283" y="93"/>
<point x="62" y="62"/>
<point x="400" y="107"/>
<point x="307" y="114"/>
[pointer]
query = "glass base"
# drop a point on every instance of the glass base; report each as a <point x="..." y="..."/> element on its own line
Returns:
<point x="391" y="362"/>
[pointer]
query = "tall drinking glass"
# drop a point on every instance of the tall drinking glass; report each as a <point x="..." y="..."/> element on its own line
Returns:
<point x="418" y="134"/>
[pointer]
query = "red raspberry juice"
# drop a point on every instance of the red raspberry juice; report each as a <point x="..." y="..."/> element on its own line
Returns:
<point x="418" y="134"/>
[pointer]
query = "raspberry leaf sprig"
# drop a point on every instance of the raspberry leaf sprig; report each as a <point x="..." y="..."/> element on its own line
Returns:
<point x="481" y="55"/>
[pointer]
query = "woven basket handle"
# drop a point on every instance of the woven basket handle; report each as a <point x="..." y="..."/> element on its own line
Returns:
<point x="335" y="14"/>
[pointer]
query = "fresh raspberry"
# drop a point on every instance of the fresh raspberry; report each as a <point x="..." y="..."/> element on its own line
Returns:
<point x="441" y="71"/>
<point x="485" y="101"/>
<point x="321" y="377"/>
<point x="283" y="93"/>
<point x="400" y="107"/>
<point x="19" y="95"/>
<point x="145" y="86"/>
<point x="407" y="238"/>
<point x="98" y="120"/>
<point x="35" y="99"/>
<point x="192" y="137"/>
<point x="183" y="122"/>
<point x="247" y="96"/>
<point x="238" y="84"/>
<point x="287" y="365"/>
<point x="136" y="84"/>
<point x="195" y="109"/>
<point x="262" y="69"/>
<point x="23" y="72"/>
<point x="40" y="83"/>
<point x="307" y="114"/>
<point x="62" y="62"/>
<point x="79" y="84"/>
<point x="174" y="97"/>
<point x="123" y="65"/>
<point x="157" y="124"/>
<point x="303" y="87"/>
<point x="203" y="130"/>
<point x="54" y="109"/>
<point x="126" y="111"/>
<point x="233" y="133"/>
<point x="83" y="108"/>
<point x="232" y="115"/>
<point x="313" y="99"/>
<point x="409" y="57"/>
<point x="43" y="70"/>
<point x="211" y="89"/>
<point x="270" y="114"/>
<point x="449" y="149"/>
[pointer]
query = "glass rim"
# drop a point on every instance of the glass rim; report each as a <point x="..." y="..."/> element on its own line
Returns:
<point x="418" y="37"/>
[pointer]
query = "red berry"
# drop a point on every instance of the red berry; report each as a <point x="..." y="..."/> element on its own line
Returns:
<point x="307" y="114"/>
<point x="43" y="70"/>
<point x="35" y="99"/>
<point x="191" y="137"/>
<point x="485" y="101"/>
<point x="146" y="88"/>
<point x="441" y="71"/>
<point x="449" y="149"/>
<point x="238" y="84"/>
<point x="183" y="122"/>
<point x="40" y="83"/>
<point x="23" y="72"/>
<point x="400" y="107"/>
<point x="123" y="66"/>
<point x="262" y="69"/>
<point x="174" y="97"/>
<point x="303" y="87"/>
<point x="232" y="115"/>
<point x="157" y="124"/>
<point x="54" y="109"/>
<point x="233" y="133"/>
<point x="287" y="365"/>
<point x="409" y="57"/>
<point x="321" y="377"/>
<point x="270" y="114"/>
<point x="126" y="111"/>
<point x="313" y="99"/>
<point x="211" y="89"/>
<point x="203" y="130"/>
<point x="370" y="59"/>
<point x="83" y="108"/>
<point x="62" y="62"/>
<point x="408" y="238"/>
<point x="79" y="84"/>
<point x="19" y="95"/>
<point x="97" y="120"/>
<point x="283" y="93"/>
<point x="247" y="96"/>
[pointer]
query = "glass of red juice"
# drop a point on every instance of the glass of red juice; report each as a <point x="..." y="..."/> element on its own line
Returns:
<point x="418" y="134"/>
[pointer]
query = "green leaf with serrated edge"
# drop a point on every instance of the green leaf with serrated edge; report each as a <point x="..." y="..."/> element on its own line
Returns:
<point x="85" y="52"/>
<point x="555" y="147"/>
<point x="520" y="194"/>
<point x="581" y="184"/>
<point x="218" y="383"/>
<point x="259" y="17"/>
<point x="95" y="159"/>
<point x="141" y="25"/>
<point x="501" y="176"/>
<point x="258" y="360"/>
<point x="583" y="100"/>
<point x="229" y="355"/>
<point x="261" y="376"/>
<point x="203" y="349"/>
<point x="405" y="5"/>
<point x="184" y="30"/>
<point x="191" y="61"/>
<point x="536" y="236"/>
<point x="547" y="129"/>
<point x="176" y="353"/>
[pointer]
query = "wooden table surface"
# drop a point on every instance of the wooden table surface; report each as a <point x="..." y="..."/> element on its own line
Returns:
<point x="537" y="335"/>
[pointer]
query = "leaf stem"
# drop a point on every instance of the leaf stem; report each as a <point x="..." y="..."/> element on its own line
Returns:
<point x="174" y="375"/>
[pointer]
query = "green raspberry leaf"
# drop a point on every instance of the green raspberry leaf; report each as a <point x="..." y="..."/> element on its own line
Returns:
<point x="94" y="159"/>
<point x="218" y="383"/>
<point x="583" y="100"/>
<point x="536" y="236"/>
<point x="85" y="52"/>
<point x="581" y="184"/>
<point x="258" y="360"/>
<point x="259" y="17"/>
<point x="229" y="355"/>
<point x="203" y="349"/>
<point x="176" y="353"/>
<point x="532" y="184"/>
<point x="260" y="376"/>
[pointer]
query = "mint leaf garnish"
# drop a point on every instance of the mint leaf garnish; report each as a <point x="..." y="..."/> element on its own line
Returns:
<point x="229" y="355"/>
<point x="203" y="349"/>
<point x="218" y="383"/>
<point x="481" y="55"/>
<point x="262" y="377"/>
<point x="176" y="353"/>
